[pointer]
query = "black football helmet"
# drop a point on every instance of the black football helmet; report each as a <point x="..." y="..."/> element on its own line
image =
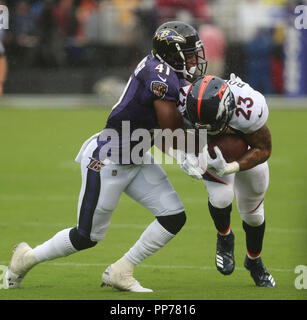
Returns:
<point x="173" y="41"/>
<point x="210" y="104"/>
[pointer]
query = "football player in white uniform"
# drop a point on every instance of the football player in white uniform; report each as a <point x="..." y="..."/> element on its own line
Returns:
<point x="233" y="107"/>
<point x="148" y="102"/>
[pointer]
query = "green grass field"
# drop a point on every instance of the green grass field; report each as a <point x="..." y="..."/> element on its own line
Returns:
<point x="39" y="186"/>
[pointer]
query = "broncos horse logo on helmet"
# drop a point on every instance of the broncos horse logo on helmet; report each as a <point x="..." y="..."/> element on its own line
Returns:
<point x="174" y="42"/>
<point x="210" y="104"/>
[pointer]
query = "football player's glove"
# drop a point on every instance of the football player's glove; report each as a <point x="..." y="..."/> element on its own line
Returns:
<point x="203" y="158"/>
<point x="190" y="166"/>
<point x="188" y="162"/>
<point x="220" y="165"/>
<point x="233" y="77"/>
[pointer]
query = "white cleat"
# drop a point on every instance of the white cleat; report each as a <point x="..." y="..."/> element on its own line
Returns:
<point x="116" y="276"/>
<point x="22" y="261"/>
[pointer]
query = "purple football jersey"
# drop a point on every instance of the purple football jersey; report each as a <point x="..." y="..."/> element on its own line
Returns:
<point x="151" y="80"/>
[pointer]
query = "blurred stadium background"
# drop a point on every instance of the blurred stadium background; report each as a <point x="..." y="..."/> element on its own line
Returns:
<point x="83" y="51"/>
<point x="72" y="59"/>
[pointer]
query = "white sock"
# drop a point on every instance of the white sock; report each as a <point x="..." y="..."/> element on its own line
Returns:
<point x="56" y="247"/>
<point x="152" y="239"/>
<point x="124" y="264"/>
<point x="225" y="234"/>
<point x="253" y="257"/>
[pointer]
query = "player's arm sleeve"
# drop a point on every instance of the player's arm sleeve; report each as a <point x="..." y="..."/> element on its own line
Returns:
<point x="259" y="116"/>
<point x="163" y="87"/>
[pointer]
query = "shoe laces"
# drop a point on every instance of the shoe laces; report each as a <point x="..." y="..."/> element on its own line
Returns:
<point x="225" y="242"/>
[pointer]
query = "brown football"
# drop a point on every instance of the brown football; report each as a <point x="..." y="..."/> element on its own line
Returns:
<point x="232" y="146"/>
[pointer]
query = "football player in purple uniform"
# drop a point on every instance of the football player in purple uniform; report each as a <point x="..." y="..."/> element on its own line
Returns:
<point x="148" y="102"/>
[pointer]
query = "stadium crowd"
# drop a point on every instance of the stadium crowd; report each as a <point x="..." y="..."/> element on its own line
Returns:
<point x="87" y="33"/>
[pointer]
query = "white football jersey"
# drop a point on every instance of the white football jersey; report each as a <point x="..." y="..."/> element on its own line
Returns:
<point x="181" y="103"/>
<point x="251" y="111"/>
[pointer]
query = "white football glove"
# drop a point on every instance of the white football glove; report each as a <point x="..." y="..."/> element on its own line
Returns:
<point x="188" y="163"/>
<point x="233" y="77"/>
<point x="191" y="166"/>
<point x="203" y="158"/>
<point x="220" y="165"/>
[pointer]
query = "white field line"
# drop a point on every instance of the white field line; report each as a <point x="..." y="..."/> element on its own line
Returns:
<point x="143" y="226"/>
<point x="24" y="197"/>
<point x="76" y="264"/>
<point x="50" y="197"/>
<point x="83" y="101"/>
<point x="104" y="265"/>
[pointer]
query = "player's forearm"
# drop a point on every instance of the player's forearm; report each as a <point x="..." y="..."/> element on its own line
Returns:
<point x="260" y="151"/>
<point x="252" y="158"/>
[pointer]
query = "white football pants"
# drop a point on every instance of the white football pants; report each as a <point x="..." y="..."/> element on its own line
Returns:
<point x="102" y="186"/>
<point x="249" y="187"/>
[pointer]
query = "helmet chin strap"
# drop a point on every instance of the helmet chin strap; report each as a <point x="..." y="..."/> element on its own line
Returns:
<point x="192" y="70"/>
<point x="186" y="73"/>
<point x="162" y="60"/>
<point x="189" y="74"/>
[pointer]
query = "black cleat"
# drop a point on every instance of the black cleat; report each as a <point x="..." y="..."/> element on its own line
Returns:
<point x="259" y="273"/>
<point x="224" y="259"/>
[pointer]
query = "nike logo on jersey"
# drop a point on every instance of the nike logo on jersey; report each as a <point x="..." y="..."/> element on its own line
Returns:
<point x="260" y="114"/>
<point x="163" y="79"/>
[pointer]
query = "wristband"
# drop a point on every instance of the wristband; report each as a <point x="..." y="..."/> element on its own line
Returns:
<point x="232" y="167"/>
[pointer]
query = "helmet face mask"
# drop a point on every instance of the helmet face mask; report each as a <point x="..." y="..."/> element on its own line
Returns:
<point x="210" y="105"/>
<point x="217" y="128"/>
<point x="178" y="45"/>
<point x="197" y="59"/>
